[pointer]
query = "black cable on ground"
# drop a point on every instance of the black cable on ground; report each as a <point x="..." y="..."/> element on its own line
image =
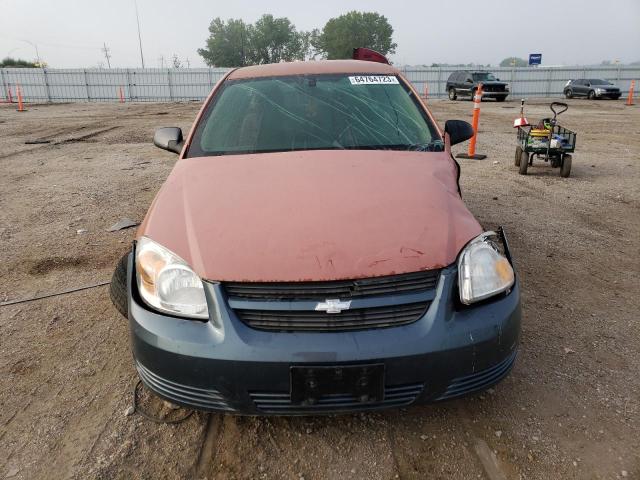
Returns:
<point x="48" y="295"/>
<point x="150" y="417"/>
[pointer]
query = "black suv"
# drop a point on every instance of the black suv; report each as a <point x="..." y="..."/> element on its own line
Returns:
<point x="591" y="88"/>
<point x="466" y="83"/>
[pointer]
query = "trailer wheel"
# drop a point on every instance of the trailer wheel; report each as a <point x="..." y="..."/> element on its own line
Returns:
<point x="524" y="163"/>
<point x="118" y="287"/>
<point x="565" y="170"/>
<point x="518" y="156"/>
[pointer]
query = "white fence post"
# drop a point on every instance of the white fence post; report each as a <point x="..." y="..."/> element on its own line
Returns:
<point x="4" y="84"/>
<point x="129" y="85"/>
<point x="86" y="83"/>
<point x="46" y="85"/>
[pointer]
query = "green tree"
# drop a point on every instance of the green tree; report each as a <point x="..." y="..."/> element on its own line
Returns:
<point x="514" y="62"/>
<point x="9" y="62"/>
<point x="306" y="47"/>
<point x="270" y="40"/>
<point x="274" y="40"/>
<point x="342" y="34"/>
<point x="228" y="44"/>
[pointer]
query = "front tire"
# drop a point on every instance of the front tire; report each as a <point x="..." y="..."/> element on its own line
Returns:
<point x="591" y="95"/>
<point x="118" y="287"/>
<point x="565" y="170"/>
<point x="568" y="93"/>
<point x="452" y="94"/>
<point x="524" y="163"/>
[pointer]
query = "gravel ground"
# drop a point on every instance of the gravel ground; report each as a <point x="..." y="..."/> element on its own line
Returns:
<point x="569" y="409"/>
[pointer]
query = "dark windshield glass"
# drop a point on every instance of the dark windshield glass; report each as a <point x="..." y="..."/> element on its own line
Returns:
<point x="598" y="81"/>
<point x="484" y="77"/>
<point x="313" y="112"/>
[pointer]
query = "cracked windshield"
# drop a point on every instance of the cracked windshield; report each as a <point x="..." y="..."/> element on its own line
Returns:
<point x="313" y="113"/>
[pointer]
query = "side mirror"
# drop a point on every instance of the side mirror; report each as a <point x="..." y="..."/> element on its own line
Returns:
<point x="497" y="79"/>
<point x="458" y="131"/>
<point x="469" y="80"/>
<point x="168" y="138"/>
<point x="588" y="84"/>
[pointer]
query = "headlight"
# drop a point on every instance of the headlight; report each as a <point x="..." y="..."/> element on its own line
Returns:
<point x="167" y="283"/>
<point x="482" y="270"/>
<point x="506" y="88"/>
<point x="599" y="90"/>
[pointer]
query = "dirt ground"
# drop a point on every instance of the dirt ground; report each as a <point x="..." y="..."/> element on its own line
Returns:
<point x="569" y="409"/>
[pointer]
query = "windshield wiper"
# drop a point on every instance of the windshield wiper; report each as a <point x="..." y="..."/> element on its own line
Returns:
<point x="433" y="146"/>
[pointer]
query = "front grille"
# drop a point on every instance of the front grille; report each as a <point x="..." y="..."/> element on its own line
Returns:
<point x="280" y="403"/>
<point x="199" y="398"/>
<point x="480" y="380"/>
<point x="355" y="319"/>
<point x="343" y="289"/>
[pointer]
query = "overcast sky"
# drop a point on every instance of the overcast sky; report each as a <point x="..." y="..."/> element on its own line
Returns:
<point x="70" y="33"/>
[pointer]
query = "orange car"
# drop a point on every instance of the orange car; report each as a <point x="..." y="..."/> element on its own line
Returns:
<point x="310" y="252"/>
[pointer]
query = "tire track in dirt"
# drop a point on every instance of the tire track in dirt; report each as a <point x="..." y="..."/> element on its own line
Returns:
<point x="83" y="432"/>
<point x="212" y="438"/>
<point x="494" y="468"/>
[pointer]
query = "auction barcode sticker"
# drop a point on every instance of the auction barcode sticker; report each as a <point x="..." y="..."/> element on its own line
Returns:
<point x="374" y="80"/>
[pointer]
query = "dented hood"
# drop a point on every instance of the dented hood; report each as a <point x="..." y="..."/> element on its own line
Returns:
<point x="312" y="215"/>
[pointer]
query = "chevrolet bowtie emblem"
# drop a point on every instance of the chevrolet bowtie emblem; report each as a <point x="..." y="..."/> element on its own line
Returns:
<point x="333" y="306"/>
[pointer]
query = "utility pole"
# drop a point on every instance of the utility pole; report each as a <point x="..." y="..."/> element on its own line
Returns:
<point x="139" y="36"/>
<point x="106" y="54"/>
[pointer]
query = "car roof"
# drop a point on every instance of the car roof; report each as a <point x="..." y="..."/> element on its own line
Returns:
<point x="472" y="71"/>
<point x="317" y="67"/>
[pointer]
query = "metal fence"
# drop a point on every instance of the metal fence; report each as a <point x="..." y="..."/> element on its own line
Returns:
<point x="175" y="85"/>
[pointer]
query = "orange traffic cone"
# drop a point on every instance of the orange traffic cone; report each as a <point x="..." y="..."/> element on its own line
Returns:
<point x="476" y="119"/>
<point x="20" y="104"/>
<point x="630" y="97"/>
<point x="522" y="120"/>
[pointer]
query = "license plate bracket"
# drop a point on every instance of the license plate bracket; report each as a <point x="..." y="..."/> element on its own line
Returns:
<point x="364" y="382"/>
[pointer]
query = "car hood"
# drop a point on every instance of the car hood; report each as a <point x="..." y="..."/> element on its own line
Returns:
<point x="312" y="215"/>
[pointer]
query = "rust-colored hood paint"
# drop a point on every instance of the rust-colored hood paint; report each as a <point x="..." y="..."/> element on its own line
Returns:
<point x="312" y="215"/>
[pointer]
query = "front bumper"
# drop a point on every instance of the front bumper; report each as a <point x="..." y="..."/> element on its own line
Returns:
<point x="494" y="94"/>
<point x="449" y="352"/>
<point x="612" y="94"/>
